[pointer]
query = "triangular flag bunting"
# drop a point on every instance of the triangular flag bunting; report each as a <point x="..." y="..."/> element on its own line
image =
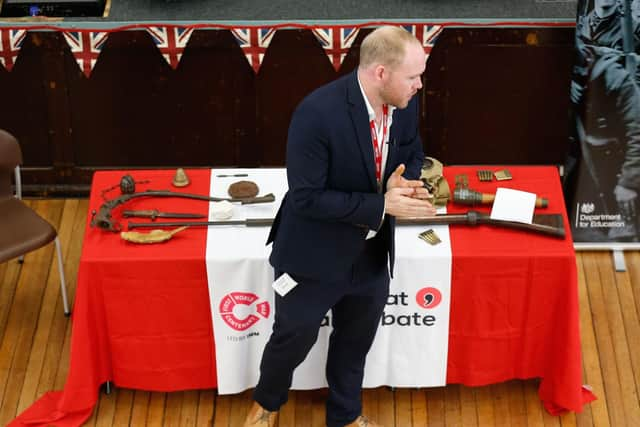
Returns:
<point x="254" y="43"/>
<point x="171" y="41"/>
<point x="427" y="34"/>
<point x="10" y="44"/>
<point x="86" y="47"/>
<point x="336" y="42"/>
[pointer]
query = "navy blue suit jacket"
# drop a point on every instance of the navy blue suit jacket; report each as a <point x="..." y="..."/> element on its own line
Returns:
<point x="332" y="201"/>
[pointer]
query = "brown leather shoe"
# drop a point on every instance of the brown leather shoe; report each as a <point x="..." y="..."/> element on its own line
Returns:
<point x="260" y="417"/>
<point x="363" y="421"/>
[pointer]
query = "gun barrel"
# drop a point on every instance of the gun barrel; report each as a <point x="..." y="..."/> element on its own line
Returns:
<point x="550" y="224"/>
<point x="250" y="222"/>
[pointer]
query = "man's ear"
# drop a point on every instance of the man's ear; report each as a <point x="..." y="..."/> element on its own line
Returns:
<point x="380" y="72"/>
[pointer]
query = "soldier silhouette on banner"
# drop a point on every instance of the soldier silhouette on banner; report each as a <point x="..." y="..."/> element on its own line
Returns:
<point x="606" y="106"/>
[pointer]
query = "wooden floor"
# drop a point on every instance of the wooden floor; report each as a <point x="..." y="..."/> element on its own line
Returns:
<point x="34" y="357"/>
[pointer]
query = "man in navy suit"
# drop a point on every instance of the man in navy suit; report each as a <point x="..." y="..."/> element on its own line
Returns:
<point x="349" y="145"/>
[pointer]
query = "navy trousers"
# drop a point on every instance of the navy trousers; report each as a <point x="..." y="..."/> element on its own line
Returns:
<point x="356" y="302"/>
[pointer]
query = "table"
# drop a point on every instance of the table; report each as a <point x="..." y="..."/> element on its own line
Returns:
<point x="141" y="317"/>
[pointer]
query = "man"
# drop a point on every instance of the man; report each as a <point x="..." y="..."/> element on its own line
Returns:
<point x="599" y="28"/>
<point x="334" y="232"/>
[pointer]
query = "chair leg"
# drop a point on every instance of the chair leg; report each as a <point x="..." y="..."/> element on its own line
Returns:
<point x="63" y="282"/>
<point x="18" y="183"/>
<point x="19" y="197"/>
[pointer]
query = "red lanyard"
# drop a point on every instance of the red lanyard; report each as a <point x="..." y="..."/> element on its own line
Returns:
<point x="377" y="146"/>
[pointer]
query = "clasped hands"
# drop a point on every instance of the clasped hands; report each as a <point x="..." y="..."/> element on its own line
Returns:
<point x="406" y="198"/>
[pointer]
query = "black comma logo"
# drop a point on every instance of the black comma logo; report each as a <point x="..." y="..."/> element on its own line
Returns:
<point x="428" y="298"/>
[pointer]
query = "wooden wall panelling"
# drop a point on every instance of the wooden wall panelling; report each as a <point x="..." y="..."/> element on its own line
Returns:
<point x="492" y="95"/>
<point x="136" y="111"/>
<point x="499" y="96"/>
<point x="295" y="65"/>
<point x="34" y="107"/>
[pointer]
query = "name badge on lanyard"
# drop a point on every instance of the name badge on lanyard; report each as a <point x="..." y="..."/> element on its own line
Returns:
<point x="377" y="145"/>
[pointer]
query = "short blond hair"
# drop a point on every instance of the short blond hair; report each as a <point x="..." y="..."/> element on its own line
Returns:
<point x="385" y="45"/>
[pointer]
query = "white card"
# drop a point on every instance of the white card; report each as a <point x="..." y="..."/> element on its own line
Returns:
<point x="284" y="284"/>
<point x="513" y="205"/>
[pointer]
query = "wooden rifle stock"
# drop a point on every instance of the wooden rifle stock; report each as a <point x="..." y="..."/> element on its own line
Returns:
<point x="550" y="224"/>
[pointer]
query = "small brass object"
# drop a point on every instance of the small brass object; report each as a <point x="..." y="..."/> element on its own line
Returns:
<point x="503" y="175"/>
<point x="430" y="237"/>
<point x="180" y="179"/>
<point x="485" y="175"/>
<point x="462" y="181"/>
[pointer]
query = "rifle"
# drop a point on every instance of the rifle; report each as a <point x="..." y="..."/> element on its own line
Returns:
<point x="103" y="218"/>
<point x="549" y="224"/>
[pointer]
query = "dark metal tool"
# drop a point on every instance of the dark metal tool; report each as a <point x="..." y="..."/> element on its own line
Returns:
<point x="249" y="222"/>
<point x="154" y="213"/>
<point x="102" y="217"/>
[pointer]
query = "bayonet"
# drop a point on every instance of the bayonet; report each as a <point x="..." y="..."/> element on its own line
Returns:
<point x="154" y="213"/>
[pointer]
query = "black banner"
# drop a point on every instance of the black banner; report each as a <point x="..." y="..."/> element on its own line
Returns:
<point x="603" y="167"/>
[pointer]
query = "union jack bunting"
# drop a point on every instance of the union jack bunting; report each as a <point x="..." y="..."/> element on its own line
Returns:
<point x="336" y="42"/>
<point x="427" y="34"/>
<point x="86" y="47"/>
<point x="254" y="43"/>
<point x="10" y="44"/>
<point x="171" y="42"/>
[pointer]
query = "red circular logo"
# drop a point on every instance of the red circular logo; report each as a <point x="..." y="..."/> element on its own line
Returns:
<point x="428" y="298"/>
<point x="230" y="301"/>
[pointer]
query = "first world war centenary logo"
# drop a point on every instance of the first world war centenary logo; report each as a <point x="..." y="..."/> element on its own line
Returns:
<point x="240" y="310"/>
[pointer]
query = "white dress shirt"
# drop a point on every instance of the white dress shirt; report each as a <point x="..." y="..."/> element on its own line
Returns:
<point x="385" y="146"/>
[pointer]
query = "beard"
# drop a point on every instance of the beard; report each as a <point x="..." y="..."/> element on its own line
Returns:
<point x="391" y="97"/>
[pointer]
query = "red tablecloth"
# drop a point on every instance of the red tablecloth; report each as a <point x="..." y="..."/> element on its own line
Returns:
<point x="141" y="317"/>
